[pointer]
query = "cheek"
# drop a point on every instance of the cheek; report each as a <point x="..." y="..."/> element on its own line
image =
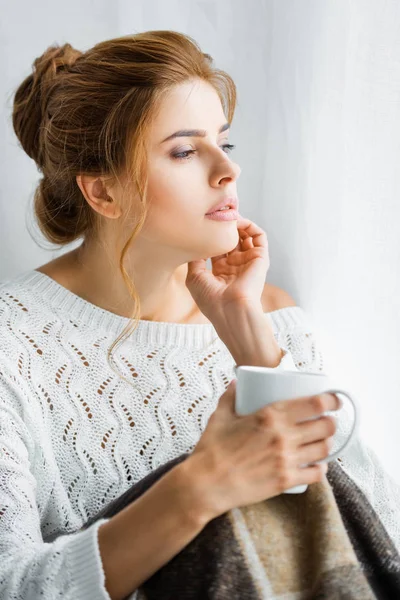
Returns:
<point x="178" y="185"/>
<point x="174" y="223"/>
<point x="172" y="198"/>
<point x="194" y="236"/>
<point x="177" y="204"/>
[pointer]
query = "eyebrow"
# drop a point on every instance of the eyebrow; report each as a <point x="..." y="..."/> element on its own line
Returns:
<point x="193" y="133"/>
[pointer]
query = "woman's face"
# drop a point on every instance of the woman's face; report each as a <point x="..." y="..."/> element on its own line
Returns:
<point x="189" y="175"/>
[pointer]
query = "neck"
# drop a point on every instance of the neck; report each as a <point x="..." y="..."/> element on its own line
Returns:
<point x="89" y="272"/>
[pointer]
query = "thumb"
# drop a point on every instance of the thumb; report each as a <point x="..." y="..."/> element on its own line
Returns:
<point x="227" y="401"/>
<point x="195" y="267"/>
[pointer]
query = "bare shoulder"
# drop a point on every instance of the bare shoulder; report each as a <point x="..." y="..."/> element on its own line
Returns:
<point x="274" y="297"/>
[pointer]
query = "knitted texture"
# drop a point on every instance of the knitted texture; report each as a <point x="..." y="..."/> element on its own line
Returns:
<point x="74" y="435"/>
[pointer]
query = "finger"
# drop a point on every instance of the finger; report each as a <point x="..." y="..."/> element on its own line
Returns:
<point x="247" y="243"/>
<point x="214" y="259"/>
<point x="227" y="401"/>
<point x="195" y="267"/>
<point x="241" y="258"/>
<point x="241" y="244"/>
<point x="310" y="453"/>
<point x="308" y="475"/>
<point x="250" y="229"/>
<point x="308" y="407"/>
<point x="312" y="431"/>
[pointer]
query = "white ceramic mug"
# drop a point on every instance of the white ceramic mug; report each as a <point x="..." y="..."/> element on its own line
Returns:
<point x="258" y="386"/>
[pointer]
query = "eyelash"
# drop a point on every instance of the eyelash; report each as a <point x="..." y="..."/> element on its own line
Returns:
<point x="179" y="156"/>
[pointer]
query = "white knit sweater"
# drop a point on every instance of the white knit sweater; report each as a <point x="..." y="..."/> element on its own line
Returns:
<point x="74" y="436"/>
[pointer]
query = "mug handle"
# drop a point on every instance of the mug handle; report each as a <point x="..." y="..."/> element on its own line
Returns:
<point x="353" y="429"/>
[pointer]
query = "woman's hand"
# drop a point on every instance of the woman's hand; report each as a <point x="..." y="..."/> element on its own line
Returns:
<point x="236" y="277"/>
<point x="241" y="460"/>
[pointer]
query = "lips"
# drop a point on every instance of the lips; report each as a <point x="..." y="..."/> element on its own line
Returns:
<point x="232" y="202"/>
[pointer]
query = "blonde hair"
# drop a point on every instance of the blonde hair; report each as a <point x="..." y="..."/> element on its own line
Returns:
<point x="89" y="112"/>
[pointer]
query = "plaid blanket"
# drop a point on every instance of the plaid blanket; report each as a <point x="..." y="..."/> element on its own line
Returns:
<point x="327" y="543"/>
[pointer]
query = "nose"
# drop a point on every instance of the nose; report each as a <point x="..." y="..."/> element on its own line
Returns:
<point x="225" y="171"/>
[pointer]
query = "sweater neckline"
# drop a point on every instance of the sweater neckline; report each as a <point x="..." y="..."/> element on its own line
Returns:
<point x="77" y="308"/>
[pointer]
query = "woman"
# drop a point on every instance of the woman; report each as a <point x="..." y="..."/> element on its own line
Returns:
<point x="131" y="138"/>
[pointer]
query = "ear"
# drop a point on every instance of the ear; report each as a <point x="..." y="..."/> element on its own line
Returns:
<point x="95" y="192"/>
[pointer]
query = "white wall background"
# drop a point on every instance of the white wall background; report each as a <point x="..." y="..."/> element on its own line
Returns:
<point x="317" y="131"/>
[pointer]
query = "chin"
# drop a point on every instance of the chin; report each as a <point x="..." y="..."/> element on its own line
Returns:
<point x="227" y="244"/>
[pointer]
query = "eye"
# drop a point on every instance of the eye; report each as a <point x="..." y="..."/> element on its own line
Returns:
<point x="185" y="155"/>
<point x="229" y="147"/>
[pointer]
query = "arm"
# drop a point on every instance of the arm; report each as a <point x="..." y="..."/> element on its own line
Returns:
<point x="106" y="561"/>
<point x="248" y="335"/>
<point x="150" y="531"/>
<point x="170" y="509"/>
<point x="30" y="569"/>
<point x="293" y="337"/>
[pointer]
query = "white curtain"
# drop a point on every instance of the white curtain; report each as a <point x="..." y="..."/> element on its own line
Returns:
<point x="317" y="131"/>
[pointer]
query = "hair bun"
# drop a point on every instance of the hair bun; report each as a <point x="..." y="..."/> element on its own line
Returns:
<point x="31" y="97"/>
